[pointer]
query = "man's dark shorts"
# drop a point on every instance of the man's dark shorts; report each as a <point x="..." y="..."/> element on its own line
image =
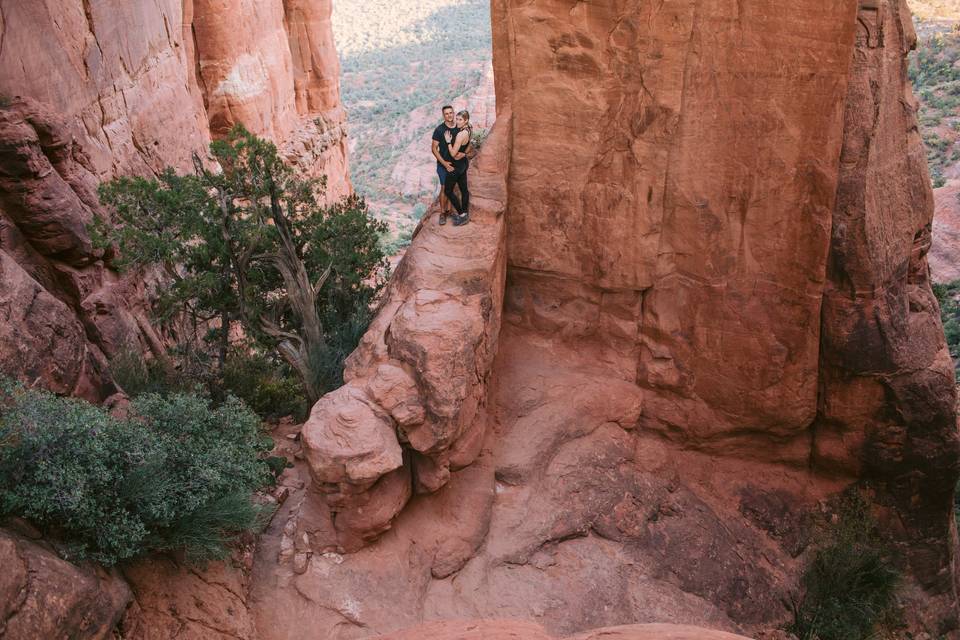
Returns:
<point x="442" y="173"/>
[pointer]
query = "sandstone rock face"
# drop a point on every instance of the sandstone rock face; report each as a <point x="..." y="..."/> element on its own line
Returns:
<point x="272" y="67"/>
<point x="95" y="89"/>
<point x="700" y="174"/>
<point x="177" y="602"/>
<point x="118" y="71"/>
<point x="419" y="376"/>
<point x="888" y="396"/>
<point x="745" y="216"/>
<point x="64" y="311"/>
<point x="716" y="315"/>
<point x="42" y="596"/>
<point x="127" y="75"/>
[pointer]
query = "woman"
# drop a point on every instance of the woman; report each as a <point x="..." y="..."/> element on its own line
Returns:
<point x="458" y="178"/>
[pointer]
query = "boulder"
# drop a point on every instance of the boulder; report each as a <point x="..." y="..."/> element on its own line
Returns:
<point x="43" y="596"/>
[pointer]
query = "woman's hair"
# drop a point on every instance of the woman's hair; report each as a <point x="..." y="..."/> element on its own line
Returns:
<point x="466" y="116"/>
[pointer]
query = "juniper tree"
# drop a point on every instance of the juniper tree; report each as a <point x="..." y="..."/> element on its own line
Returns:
<point x="248" y="240"/>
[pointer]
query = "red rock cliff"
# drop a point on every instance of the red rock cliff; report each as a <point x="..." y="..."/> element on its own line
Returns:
<point x="716" y="315"/>
<point x="94" y="89"/>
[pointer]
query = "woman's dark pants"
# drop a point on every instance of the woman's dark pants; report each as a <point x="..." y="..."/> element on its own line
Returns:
<point x="457" y="178"/>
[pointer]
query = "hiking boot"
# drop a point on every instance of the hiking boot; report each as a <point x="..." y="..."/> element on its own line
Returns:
<point x="461" y="219"/>
<point x="443" y="218"/>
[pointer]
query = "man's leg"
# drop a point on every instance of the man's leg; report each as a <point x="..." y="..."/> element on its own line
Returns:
<point x="444" y="202"/>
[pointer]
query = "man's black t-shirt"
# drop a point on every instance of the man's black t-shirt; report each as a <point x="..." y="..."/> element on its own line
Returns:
<point x="438" y="136"/>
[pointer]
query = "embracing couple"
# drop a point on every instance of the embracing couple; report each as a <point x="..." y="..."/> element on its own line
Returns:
<point x="451" y="146"/>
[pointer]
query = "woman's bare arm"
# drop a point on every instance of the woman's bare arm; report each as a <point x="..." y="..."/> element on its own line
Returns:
<point x="462" y="139"/>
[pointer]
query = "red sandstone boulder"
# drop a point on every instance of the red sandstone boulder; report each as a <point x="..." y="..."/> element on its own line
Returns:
<point x="41" y="340"/>
<point x="42" y="596"/>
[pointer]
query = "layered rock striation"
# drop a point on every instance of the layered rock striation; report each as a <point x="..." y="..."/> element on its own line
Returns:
<point x="90" y="90"/>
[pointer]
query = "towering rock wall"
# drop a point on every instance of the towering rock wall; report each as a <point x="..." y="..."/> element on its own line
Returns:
<point x="887" y="403"/>
<point x="737" y="214"/>
<point x="717" y="314"/>
<point x="93" y="89"/>
<point x="693" y="214"/>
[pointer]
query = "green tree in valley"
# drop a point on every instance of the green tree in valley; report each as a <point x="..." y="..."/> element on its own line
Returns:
<point x="249" y="242"/>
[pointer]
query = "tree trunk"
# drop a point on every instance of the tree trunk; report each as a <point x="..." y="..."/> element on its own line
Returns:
<point x="224" y="343"/>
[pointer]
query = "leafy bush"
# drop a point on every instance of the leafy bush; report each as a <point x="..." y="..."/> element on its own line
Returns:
<point x="179" y="475"/>
<point x="478" y="138"/>
<point x="950" y="315"/>
<point x="266" y="386"/>
<point x="935" y="74"/>
<point x="327" y="363"/>
<point x="850" y="584"/>
<point x="137" y="376"/>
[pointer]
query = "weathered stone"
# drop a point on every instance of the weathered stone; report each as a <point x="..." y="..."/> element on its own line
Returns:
<point x="177" y="602"/>
<point x="419" y="377"/>
<point x="504" y="630"/>
<point x="43" y="596"/>
<point x="41" y="340"/>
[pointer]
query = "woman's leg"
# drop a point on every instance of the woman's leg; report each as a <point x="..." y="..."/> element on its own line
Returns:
<point x="463" y="214"/>
<point x="464" y="191"/>
<point x="448" y="187"/>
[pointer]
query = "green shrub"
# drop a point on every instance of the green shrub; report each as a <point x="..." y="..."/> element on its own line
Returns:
<point x="137" y="376"/>
<point x="177" y="476"/>
<point x="478" y="138"/>
<point x="266" y="386"/>
<point x="328" y="363"/>
<point x="950" y="315"/>
<point x="850" y="584"/>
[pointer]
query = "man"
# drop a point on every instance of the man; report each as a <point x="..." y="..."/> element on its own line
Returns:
<point x="444" y="159"/>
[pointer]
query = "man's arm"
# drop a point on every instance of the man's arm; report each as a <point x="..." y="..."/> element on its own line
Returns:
<point x="435" y="147"/>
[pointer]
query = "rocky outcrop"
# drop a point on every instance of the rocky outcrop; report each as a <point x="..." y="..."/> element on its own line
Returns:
<point x="93" y="90"/>
<point x="173" y="601"/>
<point x="717" y="314"/>
<point x="414" y="405"/>
<point x="66" y="313"/>
<point x="117" y="71"/>
<point x="887" y="403"/>
<point x="127" y="74"/>
<point x="272" y="67"/>
<point x="42" y="596"/>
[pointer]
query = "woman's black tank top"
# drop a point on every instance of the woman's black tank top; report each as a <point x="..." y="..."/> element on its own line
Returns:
<point x="463" y="162"/>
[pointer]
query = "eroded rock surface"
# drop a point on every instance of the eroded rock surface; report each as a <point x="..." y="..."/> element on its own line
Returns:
<point x="93" y="90"/>
<point x="945" y="250"/>
<point x="173" y="601"/>
<point x="42" y="596"/>
<point x="64" y="311"/>
<point x="419" y="377"/>
<point x="503" y="630"/>
<point x="693" y="305"/>
<point x="717" y="314"/>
